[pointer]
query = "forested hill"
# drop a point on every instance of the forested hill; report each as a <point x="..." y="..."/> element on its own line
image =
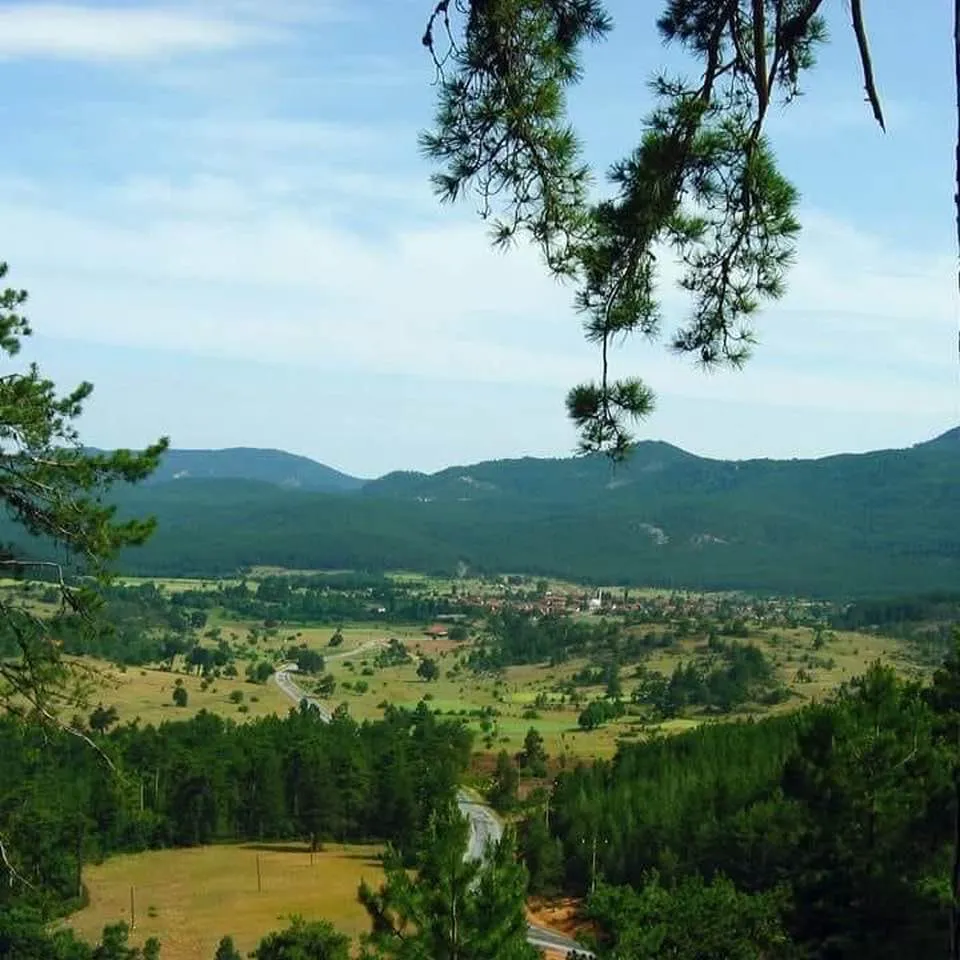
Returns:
<point x="880" y="523"/>
<point x="248" y="463"/>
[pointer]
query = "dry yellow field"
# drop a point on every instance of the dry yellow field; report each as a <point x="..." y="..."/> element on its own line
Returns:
<point x="148" y="694"/>
<point x="810" y="673"/>
<point x="190" y="898"/>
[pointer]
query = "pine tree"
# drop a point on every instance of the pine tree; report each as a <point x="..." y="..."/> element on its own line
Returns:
<point x="702" y="180"/>
<point x="227" y="951"/>
<point x="450" y="907"/>
<point x="53" y="489"/>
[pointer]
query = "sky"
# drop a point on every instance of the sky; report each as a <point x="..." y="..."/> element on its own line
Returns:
<point x="224" y="223"/>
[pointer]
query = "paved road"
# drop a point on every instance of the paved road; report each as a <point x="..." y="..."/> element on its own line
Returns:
<point x="485" y="828"/>
<point x="283" y="679"/>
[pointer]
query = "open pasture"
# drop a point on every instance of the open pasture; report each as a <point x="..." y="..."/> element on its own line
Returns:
<point x="190" y="898"/>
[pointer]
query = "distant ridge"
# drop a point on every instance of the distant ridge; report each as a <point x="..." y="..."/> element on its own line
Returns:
<point x="949" y="439"/>
<point x="250" y="463"/>
<point x="884" y="522"/>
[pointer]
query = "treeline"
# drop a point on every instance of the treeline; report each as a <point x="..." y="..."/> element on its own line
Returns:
<point x="760" y="540"/>
<point x="829" y="831"/>
<point x="513" y="637"/>
<point x="208" y="780"/>
<point x="320" y="599"/>
<point x="926" y="620"/>
<point x="736" y="674"/>
<point x="899" y="612"/>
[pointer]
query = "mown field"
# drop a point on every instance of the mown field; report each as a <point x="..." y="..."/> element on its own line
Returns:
<point x="190" y="898"/>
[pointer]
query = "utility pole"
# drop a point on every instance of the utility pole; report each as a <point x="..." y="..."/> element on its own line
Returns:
<point x="593" y="864"/>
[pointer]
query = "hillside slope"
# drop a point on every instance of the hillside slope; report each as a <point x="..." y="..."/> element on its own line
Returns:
<point x="877" y="523"/>
<point x="249" y="463"/>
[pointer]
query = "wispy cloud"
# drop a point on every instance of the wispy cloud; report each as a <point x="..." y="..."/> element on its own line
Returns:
<point x="220" y="268"/>
<point x="71" y="32"/>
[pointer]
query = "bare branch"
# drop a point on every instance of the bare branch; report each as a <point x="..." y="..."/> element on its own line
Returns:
<point x="873" y="98"/>
<point x="10" y="867"/>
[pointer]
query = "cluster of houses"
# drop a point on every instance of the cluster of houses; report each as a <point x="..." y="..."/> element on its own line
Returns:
<point x="660" y="606"/>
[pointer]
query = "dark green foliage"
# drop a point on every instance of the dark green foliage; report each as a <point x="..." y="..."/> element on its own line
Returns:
<point x="841" y="815"/>
<point x="307" y="660"/>
<point x="180" y="696"/>
<point x="534" y="755"/>
<point x="259" y="672"/>
<point x="394" y="654"/>
<point x="543" y="855"/>
<point x="103" y="718"/>
<point x="851" y="525"/>
<point x="53" y="490"/>
<point x="317" y="940"/>
<point x="513" y="637"/>
<point x="24" y="935"/>
<point x="268" y="466"/>
<point x="692" y="920"/>
<point x="449" y="907"/>
<point x="702" y="181"/>
<point x="207" y="780"/>
<point x="428" y="669"/>
<point x="743" y="675"/>
<point x="599" y="712"/>
<point x="506" y="779"/>
<point x="226" y="950"/>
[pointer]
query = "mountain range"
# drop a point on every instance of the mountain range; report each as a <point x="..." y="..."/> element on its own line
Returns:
<point x="876" y="523"/>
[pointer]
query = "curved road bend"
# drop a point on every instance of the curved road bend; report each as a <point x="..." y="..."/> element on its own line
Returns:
<point x="485" y="828"/>
<point x="295" y="692"/>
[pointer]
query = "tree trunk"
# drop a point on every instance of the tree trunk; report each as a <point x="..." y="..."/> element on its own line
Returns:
<point x="955" y="872"/>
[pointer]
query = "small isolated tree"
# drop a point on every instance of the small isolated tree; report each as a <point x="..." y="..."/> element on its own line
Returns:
<point x="503" y="790"/>
<point x="259" y="672"/>
<point x="103" y="718"/>
<point x="180" y="696"/>
<point x="534" y="755"/>
<point x="428" y="669"/>
<point x="337" y="639"/>
<point x="227" y="951"/>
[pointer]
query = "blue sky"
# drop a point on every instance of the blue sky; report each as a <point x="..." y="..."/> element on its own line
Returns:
<point x="221" y="215"/>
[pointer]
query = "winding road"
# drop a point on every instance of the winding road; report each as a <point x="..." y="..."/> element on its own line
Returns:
<point x="283" y="679"/>
<point x="485" y="827"/>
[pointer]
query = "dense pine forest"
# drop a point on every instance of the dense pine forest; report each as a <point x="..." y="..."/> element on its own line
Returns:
<point x="204" y="781"/>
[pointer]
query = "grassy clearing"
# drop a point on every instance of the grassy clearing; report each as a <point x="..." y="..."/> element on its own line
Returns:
<point x="810" y="672"/>
<point x="191" y="898"/>
<point x="174" y="584"/>
<point x="147" y="693"/>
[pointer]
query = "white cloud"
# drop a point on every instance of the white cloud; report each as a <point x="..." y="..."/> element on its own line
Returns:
<point x="266" y="270"/>
<point x="72" y="32"/>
